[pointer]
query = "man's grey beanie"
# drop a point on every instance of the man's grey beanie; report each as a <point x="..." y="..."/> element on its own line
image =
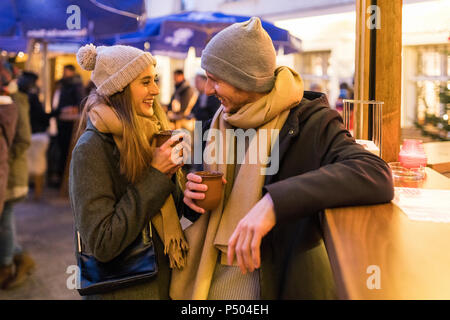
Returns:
<point x="242" y="55"/>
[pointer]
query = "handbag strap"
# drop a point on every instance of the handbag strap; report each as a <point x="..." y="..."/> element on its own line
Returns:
<point x="147" y="237"/>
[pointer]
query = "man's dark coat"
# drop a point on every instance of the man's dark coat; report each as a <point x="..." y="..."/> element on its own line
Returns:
<point x="321" y="166"/>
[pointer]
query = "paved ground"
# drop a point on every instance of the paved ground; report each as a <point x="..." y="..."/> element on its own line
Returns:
<point x="45" y="229"/>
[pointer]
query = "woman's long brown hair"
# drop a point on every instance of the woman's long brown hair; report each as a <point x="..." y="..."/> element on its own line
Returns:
<point x="135" y="149"/>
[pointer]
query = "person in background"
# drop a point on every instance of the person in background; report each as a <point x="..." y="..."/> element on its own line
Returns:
<point x="348" y="90"/>
<point x="8" y="120"/>
<point x="40" y="120"/>
<point x="38" y="117"/>
<point x="206" y="106"/>
<point x="344" y="93"/>
<point x="16" y="264"/>
<point x="315" y="87"/>
<point x="182" y="99"/>
<point x="69" y="93"/>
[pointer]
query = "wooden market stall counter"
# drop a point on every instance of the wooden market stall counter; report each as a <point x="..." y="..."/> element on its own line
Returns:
<point x="438" y="154"/>
<point x="413" y="256"/>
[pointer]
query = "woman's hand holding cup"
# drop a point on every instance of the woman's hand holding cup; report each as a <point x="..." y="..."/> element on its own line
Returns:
<point x="164" y="159"/>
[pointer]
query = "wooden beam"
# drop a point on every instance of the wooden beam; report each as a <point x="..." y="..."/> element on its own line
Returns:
<point x="378" y="65"/>
<point x="388" y="86"/>
<point x="362" y="55"/>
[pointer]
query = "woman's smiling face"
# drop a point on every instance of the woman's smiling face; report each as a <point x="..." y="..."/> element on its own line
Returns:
<point x="144" y="89"/>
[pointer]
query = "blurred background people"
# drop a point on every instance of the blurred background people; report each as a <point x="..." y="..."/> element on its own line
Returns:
<point x="68" y="95"/>
<point x="15" y="264"/>
<point x="345" y="92"/>
<point x="349" y="90"/>
<point x="206" y="106"/>
<point x="37" y="159"/>
<point x="183" y="99"/>
<point x="8" y="120"/>
<point x="39" y="119"/>
<point x="315" y="87"/>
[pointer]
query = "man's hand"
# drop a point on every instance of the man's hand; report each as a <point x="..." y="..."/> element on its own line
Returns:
<point x="245" y="241"/>
<point x="195" y="190"/>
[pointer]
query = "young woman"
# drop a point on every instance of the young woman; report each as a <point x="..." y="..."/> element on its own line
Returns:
<point x="118" y="182"/>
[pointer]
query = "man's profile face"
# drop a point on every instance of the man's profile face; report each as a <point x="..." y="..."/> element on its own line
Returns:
<point x="231" y="97"/>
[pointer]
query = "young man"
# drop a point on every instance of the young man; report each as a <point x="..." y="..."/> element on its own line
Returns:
<point x="264" y="241"/>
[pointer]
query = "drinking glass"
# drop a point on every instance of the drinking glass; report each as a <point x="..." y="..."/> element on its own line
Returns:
<point x="363" y="119"/>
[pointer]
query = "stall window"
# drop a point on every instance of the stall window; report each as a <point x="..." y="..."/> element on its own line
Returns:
<point x="313" y="67"/>
<point x="432" y="83"/>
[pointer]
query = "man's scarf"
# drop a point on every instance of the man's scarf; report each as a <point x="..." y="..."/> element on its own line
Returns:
<point x="209" y="235"/>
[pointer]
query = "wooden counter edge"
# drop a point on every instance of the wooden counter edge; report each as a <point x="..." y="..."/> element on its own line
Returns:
<point x="332" y="241"/>
<point x="330" y="245"/>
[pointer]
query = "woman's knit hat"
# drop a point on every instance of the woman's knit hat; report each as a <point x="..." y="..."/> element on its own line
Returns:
<point x="242" y="55"/>
<point x="113" y="67"/>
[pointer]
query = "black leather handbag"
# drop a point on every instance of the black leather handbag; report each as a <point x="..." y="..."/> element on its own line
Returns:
<point x="136" y="264"/>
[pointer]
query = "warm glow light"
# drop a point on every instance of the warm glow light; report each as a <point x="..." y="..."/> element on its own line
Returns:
<point x="20" y="54"/>
<point x="433" y="16"/>
<point x="445" y="117"/>
<point x="37" y="47"/>
<point x="301" y="27"/>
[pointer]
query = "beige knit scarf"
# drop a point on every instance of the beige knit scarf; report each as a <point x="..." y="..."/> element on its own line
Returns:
<point x="166" y="222"/>
<point x="209" y="235"/>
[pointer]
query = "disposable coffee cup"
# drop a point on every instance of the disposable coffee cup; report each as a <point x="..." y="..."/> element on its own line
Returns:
<point x="213" y="179"/>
